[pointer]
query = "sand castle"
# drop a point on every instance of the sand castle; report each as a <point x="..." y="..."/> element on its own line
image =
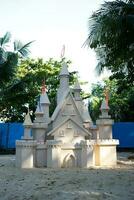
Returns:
<point x="67" y="138"/>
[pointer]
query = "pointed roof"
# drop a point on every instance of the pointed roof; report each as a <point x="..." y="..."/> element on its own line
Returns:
<point x="64" y="70"/>
<point x="77" y="86"/>
<point x="69" y="118"/>
<point x="104" y="105"/>
<point x="44" y="99"/>
<point x="27" y="120"/>
<point x="86" y="115"/>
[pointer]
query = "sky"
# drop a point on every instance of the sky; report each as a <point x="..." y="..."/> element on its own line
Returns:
<point x="52" y="24"/>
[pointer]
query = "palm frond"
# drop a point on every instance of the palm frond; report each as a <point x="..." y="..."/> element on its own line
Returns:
<point x="5" y="39"/>
<point x="3" y="55"/>
<point x="99" y="69"/>
<point x="22" y="49"/>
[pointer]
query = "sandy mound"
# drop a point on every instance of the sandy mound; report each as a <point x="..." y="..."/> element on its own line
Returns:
<point x="67" y="184"/>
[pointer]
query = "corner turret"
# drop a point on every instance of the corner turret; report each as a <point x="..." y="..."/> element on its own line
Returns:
<point x="105" y="122"/>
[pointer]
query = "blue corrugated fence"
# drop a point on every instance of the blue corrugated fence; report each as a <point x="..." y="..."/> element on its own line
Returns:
<point x="10" y="132"/>
<point x="124" y="131"/>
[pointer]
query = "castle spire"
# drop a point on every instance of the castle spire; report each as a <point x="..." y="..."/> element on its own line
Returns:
<point x="64" y="70"/>
<point x="44" y="103"/>
<point x="64" y="82"/>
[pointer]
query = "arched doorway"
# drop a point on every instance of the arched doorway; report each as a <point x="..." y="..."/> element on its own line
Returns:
<point x="69" y="161"/>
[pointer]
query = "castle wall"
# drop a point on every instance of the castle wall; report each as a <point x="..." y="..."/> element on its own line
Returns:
<point x="53" y="155"/>
<point x="108" y="156"/>
<point x="105" y="152"/>
<point x="69" y="132"/>
<point x="25" y="154"/>
<point x="41" y="155"/>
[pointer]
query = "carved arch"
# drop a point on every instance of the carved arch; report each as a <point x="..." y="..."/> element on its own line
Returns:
<point x="69" y="161"/>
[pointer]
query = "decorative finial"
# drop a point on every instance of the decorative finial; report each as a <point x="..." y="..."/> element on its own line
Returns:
<point x="43" y="88"/>
<point x="62" y="52"/>
<point x="106" y="93"/>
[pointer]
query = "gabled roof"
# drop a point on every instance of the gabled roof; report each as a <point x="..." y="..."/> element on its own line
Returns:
<point x="61" y="104"/>
<point x="69" y="118"/>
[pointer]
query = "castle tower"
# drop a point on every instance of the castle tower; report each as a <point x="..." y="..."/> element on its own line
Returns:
<point x="105" y="122"/>
<point x="64" y="82"/>
<point x="105" y="148"/>
<point x="44" y="103"/>
<point x="25" y="148"/>
<point x="42" y="117"/>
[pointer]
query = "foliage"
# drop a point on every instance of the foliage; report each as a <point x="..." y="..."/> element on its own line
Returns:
<point x="111" y="35"/>
<point x="121" y="103"/>
<point x="95" y="99"/>
<point x="26" y="86"/>
<point x="9" y="58"/>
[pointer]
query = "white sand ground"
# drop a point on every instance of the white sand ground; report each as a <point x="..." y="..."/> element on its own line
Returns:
<point x="67" y="184"/>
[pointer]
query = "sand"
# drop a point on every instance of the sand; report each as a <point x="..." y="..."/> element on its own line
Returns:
<point x="67" y="184"/>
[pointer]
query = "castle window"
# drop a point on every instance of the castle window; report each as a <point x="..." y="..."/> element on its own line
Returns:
<point x="69" y="124"/>
<point x="76" y="133"/>
<point x="61" y="133"/>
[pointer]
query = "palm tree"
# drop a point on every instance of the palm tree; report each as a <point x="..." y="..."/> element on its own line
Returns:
<point x="111" y="35"/>
<point x="8" y="58"/>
